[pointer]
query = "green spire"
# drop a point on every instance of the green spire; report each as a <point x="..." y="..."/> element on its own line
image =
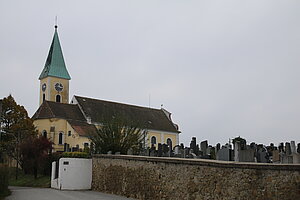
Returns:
<point x="55" y="64"/>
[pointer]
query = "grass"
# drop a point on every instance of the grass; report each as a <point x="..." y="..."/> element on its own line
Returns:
<point x="27" y="180"/>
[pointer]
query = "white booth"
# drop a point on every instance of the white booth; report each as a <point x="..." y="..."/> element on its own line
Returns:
<point x="72" y="174"/>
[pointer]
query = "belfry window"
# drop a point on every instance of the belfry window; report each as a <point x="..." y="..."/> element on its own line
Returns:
<point x="58" y="98"/>
<point x="44" y="97"/>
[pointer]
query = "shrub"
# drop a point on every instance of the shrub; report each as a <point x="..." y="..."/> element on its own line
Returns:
<point x="75" y="155"/>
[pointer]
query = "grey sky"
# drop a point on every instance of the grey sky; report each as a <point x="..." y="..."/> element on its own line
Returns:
<point x="223" y="68"/>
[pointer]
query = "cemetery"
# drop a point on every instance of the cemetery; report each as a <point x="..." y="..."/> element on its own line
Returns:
<point x="239" y="151"/>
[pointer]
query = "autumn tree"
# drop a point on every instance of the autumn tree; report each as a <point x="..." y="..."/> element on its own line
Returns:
<point x="35" y="153"/>
<point x="117" y="135"/>
<point x="15" y="126"/>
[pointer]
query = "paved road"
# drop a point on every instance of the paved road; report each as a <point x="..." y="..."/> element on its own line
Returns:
<point x="26" y="193"/>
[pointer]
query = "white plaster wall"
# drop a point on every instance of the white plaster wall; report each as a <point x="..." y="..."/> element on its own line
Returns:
<point x="74" y="174"/>
<point x="54" y="181"/>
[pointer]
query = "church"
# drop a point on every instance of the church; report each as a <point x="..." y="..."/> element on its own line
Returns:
<point x="68" y="124"/>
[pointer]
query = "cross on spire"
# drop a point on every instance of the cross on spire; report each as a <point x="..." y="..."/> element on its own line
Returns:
<point x="55" y="22"/>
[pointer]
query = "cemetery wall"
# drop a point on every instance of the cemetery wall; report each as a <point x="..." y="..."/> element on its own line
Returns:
<point x="172" y="178"/>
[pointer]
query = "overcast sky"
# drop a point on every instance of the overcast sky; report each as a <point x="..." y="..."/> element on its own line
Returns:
<point x="223" y="68"/>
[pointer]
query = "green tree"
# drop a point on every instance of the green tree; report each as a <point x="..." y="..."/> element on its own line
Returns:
<point x="117" y="135"/>
<point x="15" y="126"/>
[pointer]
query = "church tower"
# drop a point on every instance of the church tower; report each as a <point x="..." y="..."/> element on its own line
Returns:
<point x="54" y="79"/>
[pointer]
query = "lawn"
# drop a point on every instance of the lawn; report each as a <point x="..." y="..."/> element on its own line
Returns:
<point x="27" y="180"/>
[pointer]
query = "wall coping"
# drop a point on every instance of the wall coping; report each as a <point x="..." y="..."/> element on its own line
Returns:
<point x="205" y="162"/>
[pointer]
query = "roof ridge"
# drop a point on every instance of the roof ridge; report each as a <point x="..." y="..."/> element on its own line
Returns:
<point x="126" y="104"/>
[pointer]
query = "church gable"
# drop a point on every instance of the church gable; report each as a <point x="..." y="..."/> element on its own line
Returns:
<point x="51" y="109"/>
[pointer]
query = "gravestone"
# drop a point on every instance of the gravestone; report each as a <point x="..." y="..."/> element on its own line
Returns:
<point x="186" y="152"/>
<point x="165" y="149"/>
<point x="153" y="152"/>
<point x="296" y="158"/>
<point x="298" y="147"/>
<point x="182" y="146"/>
<point x="203" y="147"/>
<point x="246" y="155"/>
<point x="193" y="143"/>
<point x="275" y="156"/>
<point x="194" y="155"/>
<point x="197" y="150"/>
<point x="218" y="147"/>
<point x="293" y="147"/>
<point x="281" y="147"/>
<point x="224" y="154"/>
<point x="159" y="150"/>
<point x="176" y="150"/>
<point x="208" y="150"/>
<point x="181" y="153"/>
<point x="262" y="155"/>
<point x="287" y="148"/>
<point x="237" y="149"/>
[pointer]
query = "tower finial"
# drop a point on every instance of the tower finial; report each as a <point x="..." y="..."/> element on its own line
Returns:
<point x="55" y="22"/>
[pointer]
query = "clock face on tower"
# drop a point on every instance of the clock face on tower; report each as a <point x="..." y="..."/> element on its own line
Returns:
<point x="59" y="87"/>
<point x="44" y="86"/>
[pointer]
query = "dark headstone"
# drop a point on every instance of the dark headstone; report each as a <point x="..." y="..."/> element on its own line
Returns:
<point x="159" y="150"/>
<point x="252" y="145"/>
<point x="288" y="148"/>
<point x="165" y="150"/>
<point x="193" y="143"/>
<point x="197" y="150"/>
<point x="194" y="146"/>
<point x="298" y="147"/>
<point x="153" y="152"/>
<point x="182" y="146"/>
<point x="281" y="147"/>
<point x="213" y="153"/>
<point x="203" y="147"/>
<point x="218" y="147"/>
<point x="186" y="152"/>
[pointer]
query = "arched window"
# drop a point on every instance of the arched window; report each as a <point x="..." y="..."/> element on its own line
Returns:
<point x="58" y="98"/>
<point x="153" y="140"/>
<point x="44" y="97"/>
<point x="44" y="133"/>
<point x="169" y="142"/>
<point x="60" y="138"/>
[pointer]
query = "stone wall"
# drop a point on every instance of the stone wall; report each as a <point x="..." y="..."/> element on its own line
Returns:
<point x="171" y="178"/>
